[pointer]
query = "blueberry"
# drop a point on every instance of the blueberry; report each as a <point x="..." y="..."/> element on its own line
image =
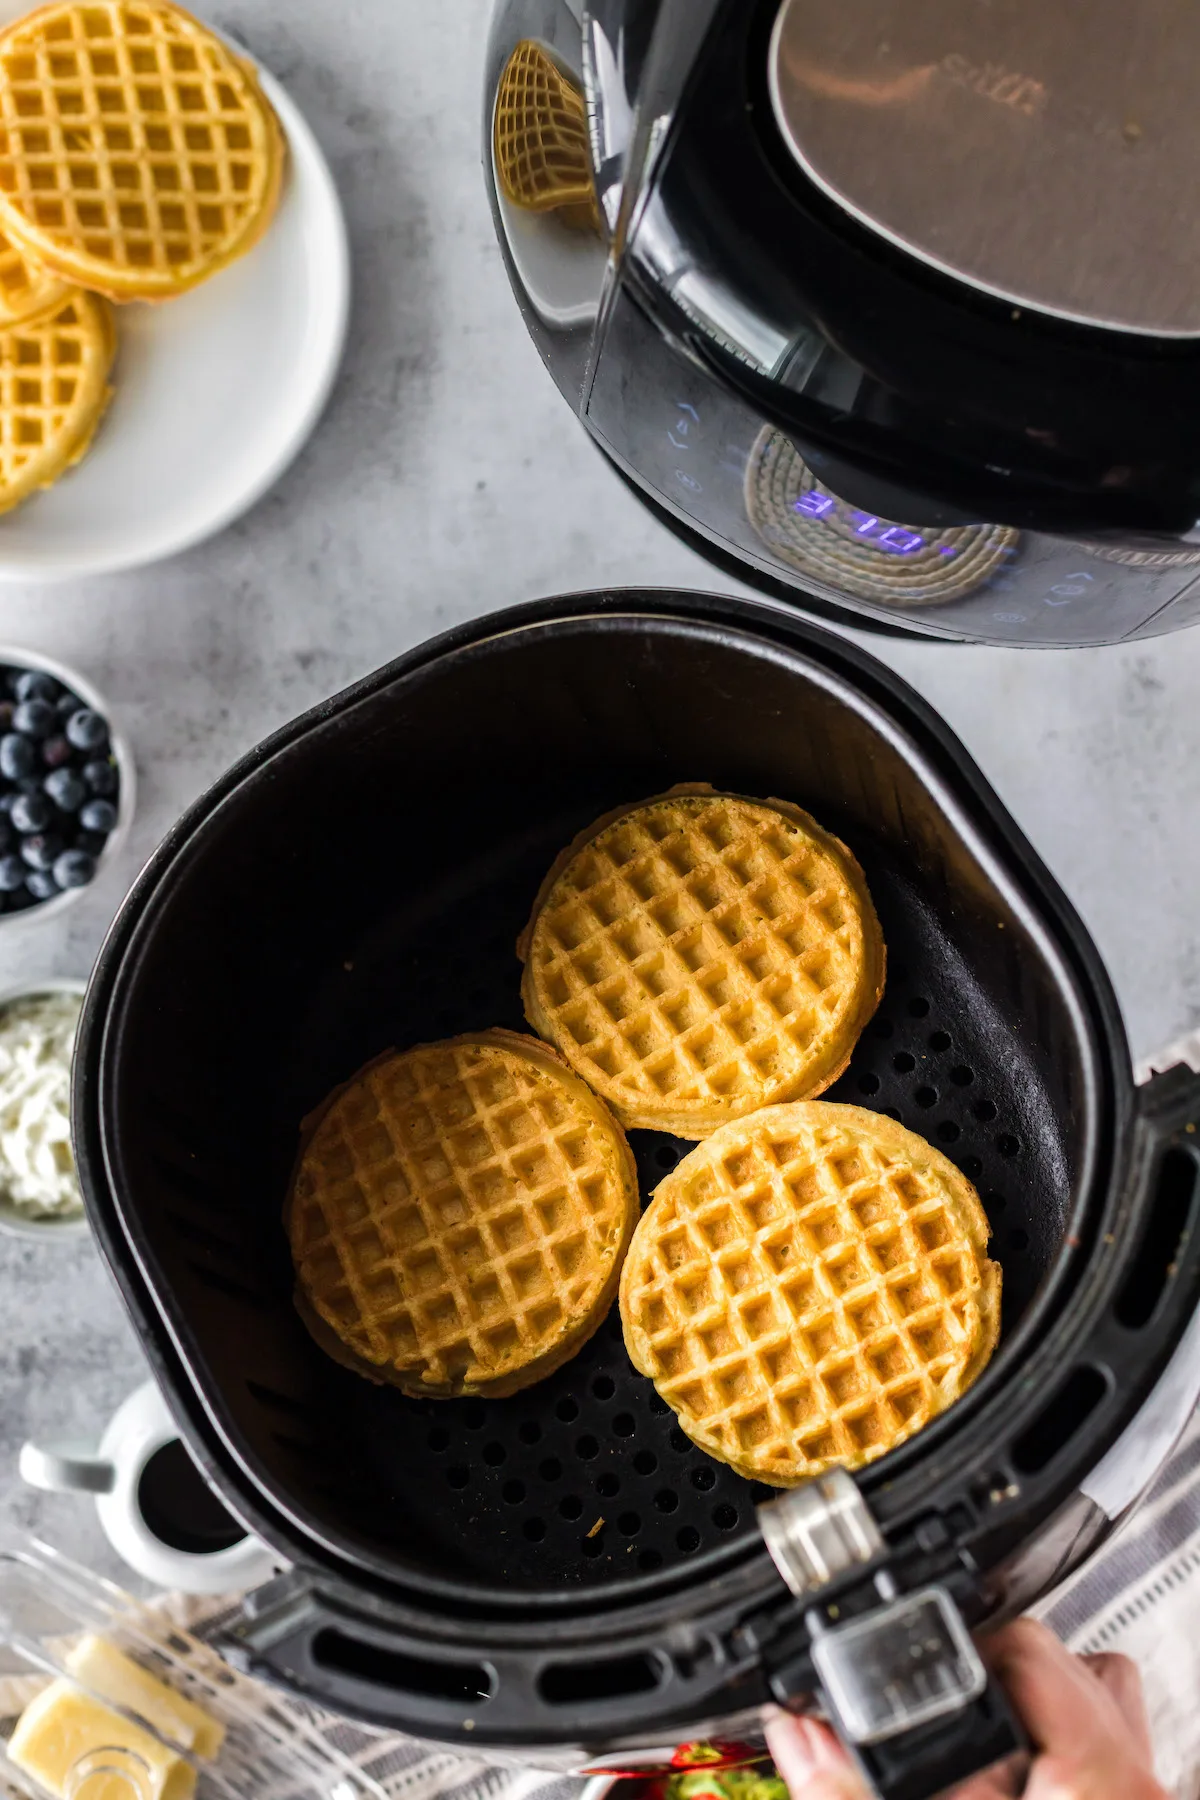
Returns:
<point x="35" y="684"/>
<point x="66" y="704"/>
<point x="101" y="777"/>
<point x="7" y="834"/>
<point x="12" y="874"/>
<point x="35" y="719"/>
<point x="17" y="757"/>
<point x="74" y="868"/>
<point x="29" y="784"/>
<point x="31" y="812"/>
<point x="98" y="815"/>
<point x="66" y="789"/>
<point x="7" y="802"/>
<point x="42" y="849"/>
<point x="56" y="751"/>
<point x="86" y="730"/>
<point x="41" y="884"/>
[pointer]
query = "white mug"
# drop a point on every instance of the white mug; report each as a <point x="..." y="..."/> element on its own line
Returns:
<point x="138" y="1431"/>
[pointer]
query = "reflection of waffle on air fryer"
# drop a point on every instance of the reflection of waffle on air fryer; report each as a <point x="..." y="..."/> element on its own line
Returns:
<point x="1179" y="558"/>
<point x="809" y="1287"/>
<point x="807" y="526"/>
<point x="540" y="140"/>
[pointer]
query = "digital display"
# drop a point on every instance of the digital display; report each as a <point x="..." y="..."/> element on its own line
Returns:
<point x="901" y="540"/>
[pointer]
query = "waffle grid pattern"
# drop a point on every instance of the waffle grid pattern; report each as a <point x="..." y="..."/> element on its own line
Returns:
<point x="53" y="373"/>
<point x="698" y="948"/>
<point x="454" y="1215"/>
<point x="804" y="1297"/>
<point x="133" y="146"/>
<point x="26" y="291"/>
<point x="948" y="565"/>
<point x="541" y="144"/>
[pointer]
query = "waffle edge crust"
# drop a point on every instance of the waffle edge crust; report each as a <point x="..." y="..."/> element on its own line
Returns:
<point x="54" y="391"/>
<point x="809" y="1287"/>
<point x="27" y="291"/>
<point x="459" y="1215"/>
<point x="700" y="955"/>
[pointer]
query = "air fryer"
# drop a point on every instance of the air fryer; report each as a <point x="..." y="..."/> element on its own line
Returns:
<point x="889" y="311"/>
<point x="562" y="1574"/>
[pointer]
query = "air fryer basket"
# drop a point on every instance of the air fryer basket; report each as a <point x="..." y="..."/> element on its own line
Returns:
<point x="359" y="882"/>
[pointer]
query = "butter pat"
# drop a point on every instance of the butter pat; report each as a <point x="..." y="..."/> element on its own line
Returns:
<point x="98" y="1665"/>
<point x="62" y="1726"/>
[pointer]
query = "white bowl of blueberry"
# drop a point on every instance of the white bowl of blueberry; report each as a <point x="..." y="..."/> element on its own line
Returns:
<point x="66" y="786"/>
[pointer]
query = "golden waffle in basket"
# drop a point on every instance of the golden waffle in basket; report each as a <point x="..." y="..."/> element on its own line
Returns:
<point x="26" y="290"/>
<point x="851" y="551"/>
<point x="53" y="391"/>
<point x="459" y="1215"/>
<point x="700" y="955"/>
<point x="539" y="138"/>
<point x="808" y="1287"/>
<point x="138" y="155"/>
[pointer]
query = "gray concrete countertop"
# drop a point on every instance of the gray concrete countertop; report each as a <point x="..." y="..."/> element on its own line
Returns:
<point x="447" y="479"/>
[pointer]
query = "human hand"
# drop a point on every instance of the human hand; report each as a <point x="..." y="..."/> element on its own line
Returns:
<point x="1085" y="1717"/>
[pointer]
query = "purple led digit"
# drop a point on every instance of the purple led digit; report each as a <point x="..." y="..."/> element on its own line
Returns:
<point x="814" y="505"/>
<point x="900" y="539"/>
<point x="869" y="522"/>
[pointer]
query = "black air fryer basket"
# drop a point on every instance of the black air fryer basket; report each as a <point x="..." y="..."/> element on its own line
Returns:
<point x="358" y="882"/>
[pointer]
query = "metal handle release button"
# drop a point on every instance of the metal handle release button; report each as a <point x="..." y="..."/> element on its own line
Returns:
<point x="816" y="1532"/>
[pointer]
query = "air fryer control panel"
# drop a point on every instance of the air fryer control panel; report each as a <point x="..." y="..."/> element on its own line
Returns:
<point x="707" y="457"/>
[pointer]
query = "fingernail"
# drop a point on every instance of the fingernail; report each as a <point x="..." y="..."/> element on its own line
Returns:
<point x="804" y="1749"/>
<point x="788" y="1741"/>
<point x="824" y="1748"/>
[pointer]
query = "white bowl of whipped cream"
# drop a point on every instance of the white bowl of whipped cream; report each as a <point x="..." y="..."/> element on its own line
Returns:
<point x="39" y="1189"/>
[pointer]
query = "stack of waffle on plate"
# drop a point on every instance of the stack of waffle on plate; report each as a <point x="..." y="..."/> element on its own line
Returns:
<point x="138" y="156"/>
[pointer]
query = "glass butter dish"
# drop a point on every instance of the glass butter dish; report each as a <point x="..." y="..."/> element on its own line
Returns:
<point x="103" y="1697"/>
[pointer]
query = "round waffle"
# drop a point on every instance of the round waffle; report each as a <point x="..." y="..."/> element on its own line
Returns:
<point x="26" y="290"/>
<point x="539" y="138"/>
<point x="459" y="1215"/>
<point x="810" y="1286"/>
<point x="53" y="391"/>
<point x="887" y="567"/>
<point x="138" y="155"/>
<point x="700" y="955"/>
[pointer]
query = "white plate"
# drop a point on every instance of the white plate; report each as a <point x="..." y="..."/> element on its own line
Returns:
<point x="215" y="392"/>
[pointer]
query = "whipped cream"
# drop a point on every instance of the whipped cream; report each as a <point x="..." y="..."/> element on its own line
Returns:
<point x="37" y="1169"/>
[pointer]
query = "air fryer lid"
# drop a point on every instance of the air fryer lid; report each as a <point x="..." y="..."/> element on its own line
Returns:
<point x="359" y="880"/>
<point x="1043" y="164"/>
